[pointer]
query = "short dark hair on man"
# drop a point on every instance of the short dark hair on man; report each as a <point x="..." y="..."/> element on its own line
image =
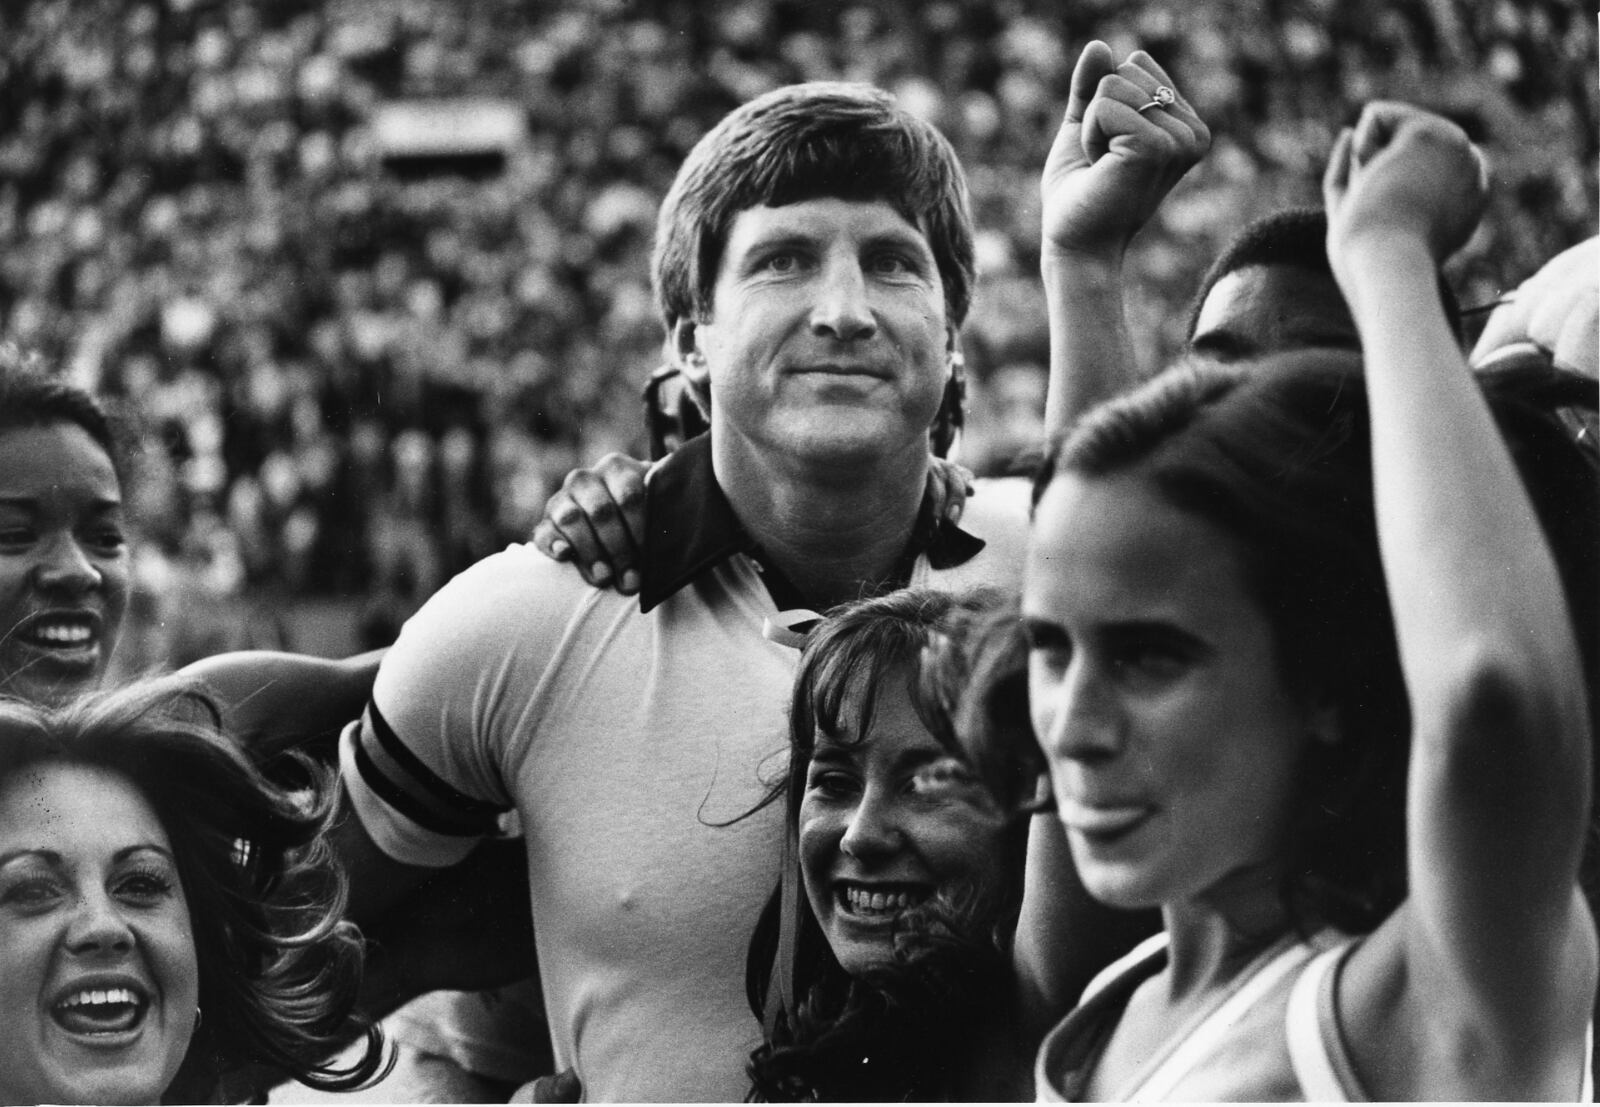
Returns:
<point x="1293" y="236"/>
<point x="803" y="142"/>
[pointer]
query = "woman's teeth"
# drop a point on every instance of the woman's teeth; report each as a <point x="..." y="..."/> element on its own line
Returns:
<point x="865" y="902"/>
<point x="100" y="1011"/>
<point x="62" y="634"/>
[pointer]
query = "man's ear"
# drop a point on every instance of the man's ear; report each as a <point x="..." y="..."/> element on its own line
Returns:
<point x="684" y="349"/>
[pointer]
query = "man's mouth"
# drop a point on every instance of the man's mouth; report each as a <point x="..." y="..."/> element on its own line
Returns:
<point x="831" y="369"/>
<point x="101" y="1011"/>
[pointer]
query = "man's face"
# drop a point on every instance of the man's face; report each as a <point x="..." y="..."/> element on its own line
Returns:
<point x="1263" y="309"/>
<point x="828" y="339"/>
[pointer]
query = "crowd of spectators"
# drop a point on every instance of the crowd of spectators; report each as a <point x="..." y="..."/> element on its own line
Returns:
<point x="355" y="377"/>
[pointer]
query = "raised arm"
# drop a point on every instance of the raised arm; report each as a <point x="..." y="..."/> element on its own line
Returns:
<point x="1486" y="974"/>
<point x="1108" y="170"/>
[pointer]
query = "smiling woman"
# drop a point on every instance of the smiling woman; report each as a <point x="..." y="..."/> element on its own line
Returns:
<point x="166" y="914"/>
<point x="63" y="555"/>
<point x="881" y="964"/>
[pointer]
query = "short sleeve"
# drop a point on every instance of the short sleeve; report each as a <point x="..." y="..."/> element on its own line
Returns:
<point x="423" y="766"/>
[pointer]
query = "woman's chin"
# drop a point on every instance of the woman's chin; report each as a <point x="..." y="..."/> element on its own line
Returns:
<point x="1127" y="887"/>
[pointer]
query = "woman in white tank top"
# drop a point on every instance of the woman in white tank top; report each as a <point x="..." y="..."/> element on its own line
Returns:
<point x="1307" y="665"/>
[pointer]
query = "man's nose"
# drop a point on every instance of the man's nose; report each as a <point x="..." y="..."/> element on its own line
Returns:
<point x="842" y="311"/>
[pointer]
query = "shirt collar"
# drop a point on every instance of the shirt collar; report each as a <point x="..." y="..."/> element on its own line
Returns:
<point x="690" y="527"/>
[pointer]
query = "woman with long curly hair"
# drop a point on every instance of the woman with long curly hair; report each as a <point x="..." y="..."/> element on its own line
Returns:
<point x="166" y="913"/>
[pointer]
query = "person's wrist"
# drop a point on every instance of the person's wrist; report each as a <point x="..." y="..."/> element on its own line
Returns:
<point x="1377" y="242"/>
<point x="1088" y="267"/>
<point x="1371" y="262"/>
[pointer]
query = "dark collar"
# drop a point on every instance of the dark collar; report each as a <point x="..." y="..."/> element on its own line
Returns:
<point x="690" y="527"/>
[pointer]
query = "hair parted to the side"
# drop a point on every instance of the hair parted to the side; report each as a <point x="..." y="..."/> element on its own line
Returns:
<point x="1294" y="237"/>
<point x="32" y="396"/>
<point x="278" y="967"/>
<point x="804" y="142"/>
<point x="951" y="958"/>
<point x="1275" y="452"/>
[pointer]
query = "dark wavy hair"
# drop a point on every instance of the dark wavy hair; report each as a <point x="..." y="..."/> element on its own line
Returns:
<point x="901" y="1031"/>
<point x="1275" y="451"/>
<point x="278" y="968"/>
<point x="32" y="396"/>
<point x="802" y="142"/>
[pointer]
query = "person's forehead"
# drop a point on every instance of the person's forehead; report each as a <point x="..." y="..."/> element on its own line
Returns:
<point x="819" y="218"/>
<point x="1276" y="306"/>
<point x="84" y="805"/>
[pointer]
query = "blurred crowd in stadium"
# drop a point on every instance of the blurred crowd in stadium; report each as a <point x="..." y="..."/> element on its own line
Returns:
<point x="356" y="377"/>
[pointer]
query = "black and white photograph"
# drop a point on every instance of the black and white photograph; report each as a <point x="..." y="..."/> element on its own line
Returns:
<point x="674" y="551"/>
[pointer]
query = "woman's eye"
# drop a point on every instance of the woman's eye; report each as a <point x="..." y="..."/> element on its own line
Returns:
<point x="1049" y="659"/>
<point x="781" y="263"/>
<point x="15" y="536"/>
<point x="831" y="783"/>
<point x="109" y="538"/>
<point x="1048" y="644"/>
<point x="30" y="892"/>
<point x="144" y="887"/>
<point x="1151" y="663"/>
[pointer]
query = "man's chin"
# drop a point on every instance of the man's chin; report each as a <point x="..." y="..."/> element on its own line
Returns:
<point x="851" y="440"/>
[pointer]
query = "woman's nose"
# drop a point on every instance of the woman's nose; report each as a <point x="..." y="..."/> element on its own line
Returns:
<point x="873" y="830"/>
<point x="1081" y="719"/>
<point x="63" y="566"/>
<point x="98" y="927"/>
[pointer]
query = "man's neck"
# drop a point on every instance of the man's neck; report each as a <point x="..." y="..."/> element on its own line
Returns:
<point x="831" y="534"/>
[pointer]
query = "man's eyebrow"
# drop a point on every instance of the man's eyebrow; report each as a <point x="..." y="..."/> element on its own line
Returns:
<point x="796" y="235"/>
<point x="898" y="233"/>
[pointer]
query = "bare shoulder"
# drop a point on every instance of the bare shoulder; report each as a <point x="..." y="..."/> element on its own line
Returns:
<point x="1412" y="1032"/>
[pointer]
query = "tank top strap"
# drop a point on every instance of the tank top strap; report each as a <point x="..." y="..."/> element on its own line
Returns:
<point x="1586" y="1094"/>
<point x="1311" y="1025"/>
<point x="1144" y="951"/>
<point x="1270" y="969"/>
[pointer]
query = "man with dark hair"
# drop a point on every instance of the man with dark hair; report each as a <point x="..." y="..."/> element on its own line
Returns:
<point x="813" y="266"/>
<point x="1272" y="288"/>
<point x="814" y="262"/>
